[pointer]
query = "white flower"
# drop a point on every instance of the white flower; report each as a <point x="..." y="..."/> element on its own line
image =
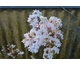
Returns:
<point x="45" y="55"/>
<point x="56" y="49"/>
<point x="58" y="35"/>
<point x="13" y="46"/>
<point x="3" y="49"/>
<point x="30" y="19"/>
<point x="42" y="33"/>
<point x="55" y="21"/>
<point x="47" y="50"/>
<point x="32" y="57"/>
<point x="12" y="51"/>
<point x="51" y="27"/>
<point x="50" y="56"/>
<point x="8" y="54"/>
<point x="57" y="42"/>
<point x="43" y="26"/>
<point x="34" y="24"/>
<point x="32" y="32"/>
<point x="12" y="56"/>
<point x="17" y="50"/>
<point x="21" y="53"/>
<point x="27" y="36"/>
<point x="51" y="39"/>
<point x="33" y="48"/>
<point x="37" y="13"/>
<point x="48" y="53"/>
<point x="44" y="20"/>
<point x="38" y="41"/>
<point x="59" y="22"/>
<point x="27" y="43"/>
<point x="43" y="41"/>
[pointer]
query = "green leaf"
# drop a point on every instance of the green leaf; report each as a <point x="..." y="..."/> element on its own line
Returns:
<point x="76" y="56"/>
<point x="5" y="54"/>
<point x="53" y="54"/>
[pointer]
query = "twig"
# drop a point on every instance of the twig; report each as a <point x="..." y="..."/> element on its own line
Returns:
<point x="69" y="12"/>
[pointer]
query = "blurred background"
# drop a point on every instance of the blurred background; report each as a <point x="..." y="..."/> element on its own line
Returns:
<point x="13" y="26"/>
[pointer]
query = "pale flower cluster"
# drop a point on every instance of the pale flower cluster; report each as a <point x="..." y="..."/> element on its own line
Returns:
<point x="11" y="52"/>
<point x="45" y="33"/>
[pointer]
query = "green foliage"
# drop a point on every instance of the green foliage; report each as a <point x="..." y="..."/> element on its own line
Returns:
<point x="76" y="56"/>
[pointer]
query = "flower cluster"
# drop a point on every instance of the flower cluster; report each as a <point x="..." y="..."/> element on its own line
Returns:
<point x="44" y="33"/>
<point x="13" y="52"/>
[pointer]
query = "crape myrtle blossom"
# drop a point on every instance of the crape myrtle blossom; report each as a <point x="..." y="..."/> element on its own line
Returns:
<point x="48" y="53"/>
<point x="44" y="33"/>
<point x="11" y="52"/>
<point x="51" y="27"/>
<point x="58" y="35"/>
<point x="21" y="53"/>
<point x="54" y="20"/>
<point x="37" y="13"/>
<point x="44" y="20"/>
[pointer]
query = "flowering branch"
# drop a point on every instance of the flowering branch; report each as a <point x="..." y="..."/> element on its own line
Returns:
<point x="44" y="33"/>
<point x="13" y="52"/>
